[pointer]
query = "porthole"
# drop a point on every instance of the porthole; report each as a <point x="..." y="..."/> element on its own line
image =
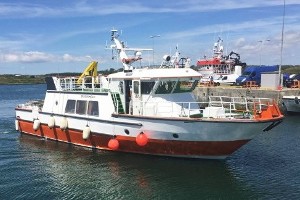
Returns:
<point x="126" y="131"/>
<point x="175" y="135"/>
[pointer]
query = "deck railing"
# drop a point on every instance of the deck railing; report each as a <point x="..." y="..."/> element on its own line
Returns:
<point x="87" y="83"/>
<point x="216" y="107"/>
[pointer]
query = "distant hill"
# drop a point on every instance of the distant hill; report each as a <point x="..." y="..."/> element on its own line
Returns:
<point x="40" y="79"/>
<point x="291" y="69"/>
<point x="21" y="79"/>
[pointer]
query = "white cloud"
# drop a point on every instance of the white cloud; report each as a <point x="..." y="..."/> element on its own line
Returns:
<point x="27" y="57"/>
<point x="240" y="42"/>
<point x="263" y="25"/>
<point x="40" y="57"/>
<point x="70" y="58"/>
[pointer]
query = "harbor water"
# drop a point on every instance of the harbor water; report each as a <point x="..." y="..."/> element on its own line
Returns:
<point x="268" y="167"/>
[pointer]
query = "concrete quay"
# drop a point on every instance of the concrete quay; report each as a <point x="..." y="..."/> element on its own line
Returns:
<point x="202" y="93"/>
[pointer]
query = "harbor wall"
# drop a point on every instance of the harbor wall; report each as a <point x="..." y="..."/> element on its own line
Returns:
<point x="202" y="93"/>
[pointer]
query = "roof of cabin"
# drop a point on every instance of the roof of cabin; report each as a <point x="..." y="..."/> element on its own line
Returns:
<point x="155" y="73"/>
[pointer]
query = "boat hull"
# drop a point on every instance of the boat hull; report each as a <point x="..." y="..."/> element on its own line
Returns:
<point x="292" y="104"/>
<point x="194" y="139"/>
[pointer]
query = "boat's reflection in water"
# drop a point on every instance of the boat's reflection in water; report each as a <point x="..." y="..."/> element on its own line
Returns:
<point x="68" y="171"/>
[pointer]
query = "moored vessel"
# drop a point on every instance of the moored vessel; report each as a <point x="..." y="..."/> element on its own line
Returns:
<point x="145" y="110"/>
<point x="218" y="65"/>
<point x="291" y="103"/>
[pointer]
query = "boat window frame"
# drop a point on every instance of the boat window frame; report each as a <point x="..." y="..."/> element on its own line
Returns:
<point x="183" y="86"/>
<point x="136" y="86"/>
<point x="165" y="86"/>
<point x="70" y="106"/>
<point x="81" y="107"/>
<point x="90" y="108"/>
<point x="93" y="108"/>
<point x="177" y="86"/>
<point x="147" y="86"/>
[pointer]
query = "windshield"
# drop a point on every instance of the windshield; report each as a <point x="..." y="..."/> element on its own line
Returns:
<point x="147" y="86"/>
<point x="167" y="87"/>
<point x="246" y="73"/>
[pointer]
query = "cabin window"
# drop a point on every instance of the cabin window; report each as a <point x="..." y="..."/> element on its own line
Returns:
<point x="81" y="107"/>
<point x="121" y="87"/>
<point x="146" y="87"/>
<point x="70" y="107"/>
<point x="185" y="86"/>
<point x="165" y="87"/>
<point x="135" y="87"/>
<point x="93" y="108"/>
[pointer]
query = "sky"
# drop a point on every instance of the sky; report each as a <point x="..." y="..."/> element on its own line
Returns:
<point x="55" y="36"/>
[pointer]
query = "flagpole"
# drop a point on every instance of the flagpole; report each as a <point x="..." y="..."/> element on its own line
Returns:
<point x="281" y="49"/>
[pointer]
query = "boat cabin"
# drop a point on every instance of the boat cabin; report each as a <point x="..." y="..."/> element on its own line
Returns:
<point x="147" y="92"/>
<point x="141" y="90"/>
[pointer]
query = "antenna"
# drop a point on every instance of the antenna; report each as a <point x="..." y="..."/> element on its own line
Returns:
<point x="227" y="41"/>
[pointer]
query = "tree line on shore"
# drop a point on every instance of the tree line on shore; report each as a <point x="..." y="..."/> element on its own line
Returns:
<point x="40" y="79"/>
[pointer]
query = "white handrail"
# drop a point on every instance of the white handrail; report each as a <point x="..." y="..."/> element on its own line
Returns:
<point x="231" y="107"/>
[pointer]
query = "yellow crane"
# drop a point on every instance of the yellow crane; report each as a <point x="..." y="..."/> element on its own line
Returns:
<point x="90" y="70"/>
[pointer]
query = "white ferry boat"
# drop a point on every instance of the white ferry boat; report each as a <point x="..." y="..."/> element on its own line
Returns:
<point x="144" y="110"/>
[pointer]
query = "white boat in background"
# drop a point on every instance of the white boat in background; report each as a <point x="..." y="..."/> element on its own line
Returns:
<point x="291" y="103"/>
<point x="145" y="110"/>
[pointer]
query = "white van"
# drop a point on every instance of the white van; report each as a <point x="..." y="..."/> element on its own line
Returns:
<point x="226" y="79"/>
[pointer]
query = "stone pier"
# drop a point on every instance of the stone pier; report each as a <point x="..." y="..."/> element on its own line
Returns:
<point x="202" y="93"/>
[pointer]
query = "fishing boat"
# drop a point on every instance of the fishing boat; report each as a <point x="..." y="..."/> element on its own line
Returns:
<point x="219" y="65"/>
<point x="291" y="103"/>
<point x="144" y="110"/>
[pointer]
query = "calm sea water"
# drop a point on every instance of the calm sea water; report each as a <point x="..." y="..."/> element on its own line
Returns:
<point x="31" y="168"/>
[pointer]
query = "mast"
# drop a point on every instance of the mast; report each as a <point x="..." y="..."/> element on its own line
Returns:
<point x="218" y="49"/>
<point x="281" y="49"/>
<point x="121" y="49"/>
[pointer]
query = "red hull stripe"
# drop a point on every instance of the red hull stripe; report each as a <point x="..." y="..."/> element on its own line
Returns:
<point x="128" y="144"/>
